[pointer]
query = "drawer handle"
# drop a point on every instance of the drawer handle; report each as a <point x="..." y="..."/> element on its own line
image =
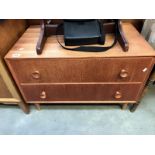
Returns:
<point x="118" y="95"/>
<point x="123" y="73"/>
<point x="36" y="75"/>
<point x="43" y="95"/>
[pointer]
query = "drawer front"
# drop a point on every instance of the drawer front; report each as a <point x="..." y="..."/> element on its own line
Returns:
<point x="4" y="92"/>
<point x="80" y="70"/>
<point x="80" y="92"/>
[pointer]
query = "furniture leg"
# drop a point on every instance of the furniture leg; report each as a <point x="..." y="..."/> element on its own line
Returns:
<point x="37" y="106"/>
<point x="124" y="106"/>
<point x="24" y="107"/>
<point x="134" y="107"/>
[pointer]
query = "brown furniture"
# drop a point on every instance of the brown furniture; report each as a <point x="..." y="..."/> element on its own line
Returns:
<point x="61" y="76"/>
<point x="8" y="91"/>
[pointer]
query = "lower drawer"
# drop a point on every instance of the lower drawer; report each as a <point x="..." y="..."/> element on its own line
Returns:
<point x="80" y="92"/>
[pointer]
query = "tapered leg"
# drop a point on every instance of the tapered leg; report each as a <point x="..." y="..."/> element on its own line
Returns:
<point x="24" y="107"/>
<point x="37" y="105"/>
<point x="134" y="107"/>
<point x="124" y="106"/>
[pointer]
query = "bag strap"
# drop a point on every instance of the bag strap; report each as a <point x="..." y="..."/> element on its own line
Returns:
<point x="89" y="48"/>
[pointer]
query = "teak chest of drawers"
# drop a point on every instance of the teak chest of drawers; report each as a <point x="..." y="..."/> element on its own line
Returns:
<point x="61" y="76"/>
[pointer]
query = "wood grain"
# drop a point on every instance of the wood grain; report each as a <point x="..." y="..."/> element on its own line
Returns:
<point x="10" y="31"/>
<point x="80" y="92"/>
<point x="25" y="46"/>
<point x="4" y="92"/>
<point x="61" y="76"/>
<point x="80" y="70"/>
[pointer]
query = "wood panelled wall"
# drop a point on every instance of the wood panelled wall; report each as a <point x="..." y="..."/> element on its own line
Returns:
<point x="10" y="31"/>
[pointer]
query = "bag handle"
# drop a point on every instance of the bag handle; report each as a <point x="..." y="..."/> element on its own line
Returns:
<point x="89" y="48"/>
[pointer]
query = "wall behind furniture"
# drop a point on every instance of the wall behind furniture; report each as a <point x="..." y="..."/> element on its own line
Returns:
<point x="10" y="31"/>
<point x="138" y="23"/>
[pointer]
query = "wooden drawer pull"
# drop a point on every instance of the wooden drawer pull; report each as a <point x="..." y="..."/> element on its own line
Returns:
<point x="118" y="95"/>
<point x="43" y="95"/>
<point x="123" y="73"/>
<point x="36" y="75"/>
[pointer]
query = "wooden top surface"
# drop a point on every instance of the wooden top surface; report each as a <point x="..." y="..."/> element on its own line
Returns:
<point x="25" y="46"/>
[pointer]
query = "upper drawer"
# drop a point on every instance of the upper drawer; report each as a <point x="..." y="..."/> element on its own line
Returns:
<point x="80" y="70"/>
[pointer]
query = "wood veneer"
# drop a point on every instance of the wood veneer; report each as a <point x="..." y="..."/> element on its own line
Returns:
<point x="61" y="76"/>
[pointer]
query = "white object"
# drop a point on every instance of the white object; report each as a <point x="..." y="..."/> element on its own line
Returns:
<point x="148" y="31"/>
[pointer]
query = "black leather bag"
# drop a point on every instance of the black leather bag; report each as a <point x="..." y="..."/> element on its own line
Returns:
<point x="85" y="32"/>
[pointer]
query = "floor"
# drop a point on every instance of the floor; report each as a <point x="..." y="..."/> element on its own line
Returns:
<point x="80" y="119"/>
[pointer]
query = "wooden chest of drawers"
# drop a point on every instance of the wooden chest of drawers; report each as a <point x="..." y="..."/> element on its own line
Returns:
<point x="60" y="76"/>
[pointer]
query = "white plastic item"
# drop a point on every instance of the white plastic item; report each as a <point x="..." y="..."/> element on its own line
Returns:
<point x="152" y="36"/>
<point x="148" y="31"/>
